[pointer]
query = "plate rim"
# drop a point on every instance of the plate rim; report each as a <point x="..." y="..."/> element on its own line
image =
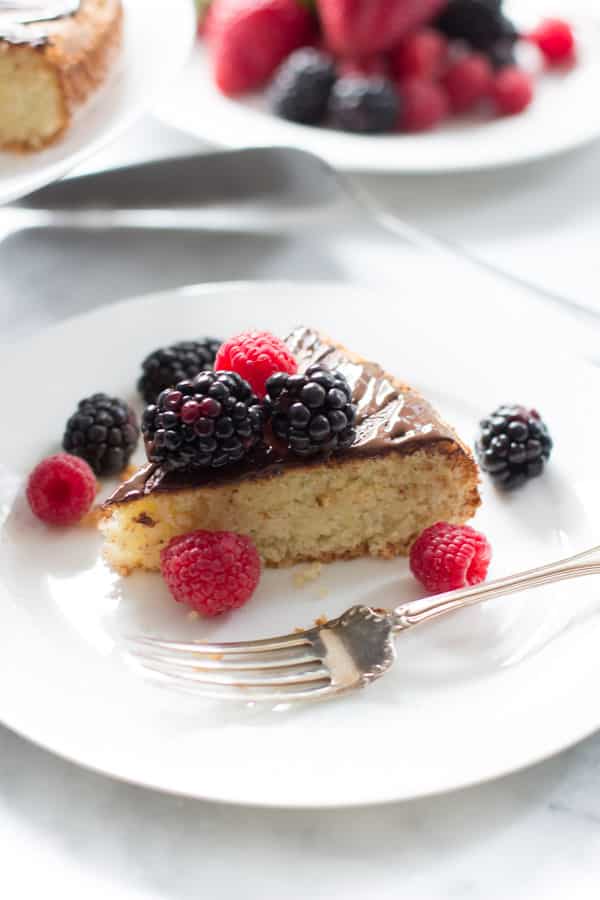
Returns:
<point x="240" y="287"/>
<point x="56" y="170"/>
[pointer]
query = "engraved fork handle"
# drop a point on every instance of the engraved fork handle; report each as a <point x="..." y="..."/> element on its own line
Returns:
<point x="415" y="612"/>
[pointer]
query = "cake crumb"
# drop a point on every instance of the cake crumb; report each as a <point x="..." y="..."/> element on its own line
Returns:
<point x="193" y="614"/>
<point x="308" y="573"/>
<point x="322" y="620"/>
<point x="93" y="517"/>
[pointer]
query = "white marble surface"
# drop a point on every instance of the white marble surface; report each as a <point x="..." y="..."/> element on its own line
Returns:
<point x="65" y="832"/>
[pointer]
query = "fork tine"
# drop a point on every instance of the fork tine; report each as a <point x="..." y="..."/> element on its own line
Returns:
<point x="272" y="679"/>
<point x="275" y="643"/>
<point x="251" y="662"/>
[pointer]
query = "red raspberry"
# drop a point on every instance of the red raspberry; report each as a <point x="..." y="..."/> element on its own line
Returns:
<point x="423" y="54"/>
<point x="445" y="557"/>
<point x="211" y="571"/>
<point x="364" y="65"/>
<point x="512" y="90"/>
<point x="556" y="40"/>
<point x="467" y="81"/>
<point x="423" y="104"/>
<point x="255" y="355"/>
<point x="250" y="38"/>
<point x="61" y="489"/>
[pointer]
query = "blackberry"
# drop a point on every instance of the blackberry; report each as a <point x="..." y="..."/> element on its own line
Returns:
<point x="513" y="446"/>
<point x="166" y="366"/>
<point x="364" y="105"/>
<point x="209" y="421"/>
<point x="502" y="54"/>
<point x="311" y="413"/>
<point x="104" y="432"/>
<point x="302" y="85"/>
<point x="479" y="22"/>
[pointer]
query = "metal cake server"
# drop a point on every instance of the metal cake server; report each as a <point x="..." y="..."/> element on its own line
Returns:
<point x="329" y="660"/>
<point x="179" y="193"/>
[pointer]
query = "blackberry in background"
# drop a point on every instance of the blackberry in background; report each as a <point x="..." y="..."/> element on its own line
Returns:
<point x="302" y="85"/>
<point x="364" y="105"/>
<point x="166" y="366"/>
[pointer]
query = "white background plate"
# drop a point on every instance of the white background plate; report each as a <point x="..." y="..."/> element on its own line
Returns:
<point x="157" y="40"/>
<point x="565" y="114"/>
<point x="490" y="690"/>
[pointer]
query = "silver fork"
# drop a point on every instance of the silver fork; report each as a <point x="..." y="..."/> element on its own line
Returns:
<point x="332" y="659"/>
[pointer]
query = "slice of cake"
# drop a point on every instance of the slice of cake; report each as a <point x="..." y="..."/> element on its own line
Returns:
<point x="405" y="470"/>
<point x="48" y="68"/>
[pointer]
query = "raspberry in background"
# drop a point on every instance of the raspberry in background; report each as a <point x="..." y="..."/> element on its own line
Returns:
<point x="423" y="54"/>
<point x="61" y="489"/>
<point x="255" y="356"/>
<point x="249" y="39"/>
<point x="211" y="571"/>
<point x="556" y="40"/>
<point x="512" y="90"/>
<point x="446" y="557"/>
<point x="468" y="81"/>
<point x="424" y="104"/>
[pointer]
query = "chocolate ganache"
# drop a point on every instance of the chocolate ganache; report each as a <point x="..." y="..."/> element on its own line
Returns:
<point x="391" y="417"/>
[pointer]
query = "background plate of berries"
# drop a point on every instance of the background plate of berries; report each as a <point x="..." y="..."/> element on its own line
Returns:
<point x="394" y="85"/>
<point x="476" y="695"/>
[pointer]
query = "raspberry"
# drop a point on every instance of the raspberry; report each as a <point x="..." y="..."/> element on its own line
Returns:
<point x="423" y="54"/>
<point x="445" y="557"/>
<point x="61" y="489"/>
<point x="255" y="356"/>
<point x="211" y="571"/>
<point x="512" y="90"/>
<point x="424" y="104"/>
<point x="555" y="39"/>
<point x="467" y="81"/>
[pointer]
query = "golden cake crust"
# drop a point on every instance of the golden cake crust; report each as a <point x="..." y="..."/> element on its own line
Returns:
<point x="77" y="52"/>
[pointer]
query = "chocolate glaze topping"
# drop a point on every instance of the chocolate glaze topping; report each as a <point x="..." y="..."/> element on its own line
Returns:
<point x="390" y="418"/>
<point x="28" y="23"/>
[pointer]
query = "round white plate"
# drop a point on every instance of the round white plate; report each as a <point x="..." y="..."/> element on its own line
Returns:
<point x="157" y="40"/>
<point x="489" y="690"/>
<point x="564" y="115"/>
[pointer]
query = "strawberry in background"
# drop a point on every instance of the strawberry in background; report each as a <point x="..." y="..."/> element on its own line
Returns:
<point x="359" y="28"/>
<point x="250" y="38"/>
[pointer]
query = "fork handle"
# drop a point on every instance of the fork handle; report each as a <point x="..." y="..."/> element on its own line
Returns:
<point x="415" y="612"/>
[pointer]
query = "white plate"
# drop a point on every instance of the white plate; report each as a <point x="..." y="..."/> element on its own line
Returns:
<point x="148" y="63"/>
<point x="491" y="689"/>
<point x="564" y="115"/>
